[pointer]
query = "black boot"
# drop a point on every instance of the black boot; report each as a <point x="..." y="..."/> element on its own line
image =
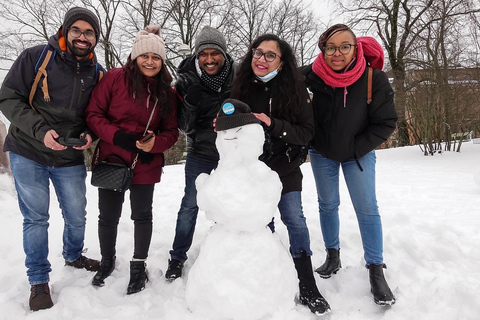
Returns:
<point x="107" y="265"/>
<point x="174" y="270"/>
<point x="382" y="294"/>
<point x="332" y="264"/>
<point x="138" y="276"/>
<point x="309" y="294"/>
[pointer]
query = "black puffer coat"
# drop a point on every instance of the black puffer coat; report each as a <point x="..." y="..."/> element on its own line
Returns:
<point x="288" y="140"/>
<point x="352" y="130"/>
<point x="196" y="113"/>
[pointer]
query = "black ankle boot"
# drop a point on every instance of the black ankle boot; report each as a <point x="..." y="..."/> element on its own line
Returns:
<point x="382" y="294"/>
<point x="138" y="276"/>
<point x="107" y="265"/>
<point x="332" y="264"/>
<point x="309" y="294"/>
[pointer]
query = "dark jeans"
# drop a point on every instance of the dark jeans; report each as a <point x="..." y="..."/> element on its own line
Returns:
<point x="110" y="206"/>
<point x="187" y="215"/>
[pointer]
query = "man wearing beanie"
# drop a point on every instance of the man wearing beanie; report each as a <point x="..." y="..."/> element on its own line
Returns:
<point x="46" y="139"/>
<point x="204" y="82"/>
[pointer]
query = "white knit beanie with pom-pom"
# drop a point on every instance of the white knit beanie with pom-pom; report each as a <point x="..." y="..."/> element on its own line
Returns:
<point x="148" y="40"/>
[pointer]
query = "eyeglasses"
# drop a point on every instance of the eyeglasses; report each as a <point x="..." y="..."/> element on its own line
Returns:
<point x="76" y="33"/>
<point x="343" y="49"/>
<point x="269" y="56"/>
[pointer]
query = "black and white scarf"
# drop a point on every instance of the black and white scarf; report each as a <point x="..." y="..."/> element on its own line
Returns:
<point x="214" y="82"/>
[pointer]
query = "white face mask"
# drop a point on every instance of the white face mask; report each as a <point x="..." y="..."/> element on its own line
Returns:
<point x="269" y="76"/>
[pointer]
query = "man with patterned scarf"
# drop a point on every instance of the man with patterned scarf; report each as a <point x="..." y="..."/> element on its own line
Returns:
<point x="204" y="81"/>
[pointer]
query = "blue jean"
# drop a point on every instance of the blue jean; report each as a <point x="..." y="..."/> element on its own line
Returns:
<point x="291" y="213"/>
<point x="32" y="184"/>
<point x="361" y="186"/>
<point x="187" y="215"/>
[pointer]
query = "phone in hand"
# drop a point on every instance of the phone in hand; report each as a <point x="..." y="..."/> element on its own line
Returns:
<point x="71" y="142"/>
<point x="148" y="137"/>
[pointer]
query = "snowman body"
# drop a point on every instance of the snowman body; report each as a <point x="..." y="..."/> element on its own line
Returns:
<point x="243" y="271"/>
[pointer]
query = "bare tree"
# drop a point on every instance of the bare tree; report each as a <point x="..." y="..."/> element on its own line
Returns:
<point x="30" y="23"/>
<point x="292" y="21"/>
<point x="436" y="99"/>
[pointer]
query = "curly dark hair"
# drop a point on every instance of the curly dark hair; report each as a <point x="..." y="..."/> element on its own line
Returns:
<point x="331" y="31"/>
<point x="287" y="89"/>
<point x="137" y="85"/>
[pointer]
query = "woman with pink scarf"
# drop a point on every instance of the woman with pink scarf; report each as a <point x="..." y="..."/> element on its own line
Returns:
<point x="349" y="125"/>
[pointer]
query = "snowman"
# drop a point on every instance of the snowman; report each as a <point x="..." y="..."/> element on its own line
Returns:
<point x="243" y="271"/>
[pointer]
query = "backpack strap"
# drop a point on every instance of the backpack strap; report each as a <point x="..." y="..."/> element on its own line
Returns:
<point x="369" y="85"/>
<point x="99" y="72"/>
<point x="47" y="55"/>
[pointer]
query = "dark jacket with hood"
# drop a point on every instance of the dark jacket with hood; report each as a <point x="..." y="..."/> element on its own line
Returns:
<point x="350" y="131"/>
<point x="70" y="83"/>
<point x="287" y="139"/>
<point x="198" y="107"/>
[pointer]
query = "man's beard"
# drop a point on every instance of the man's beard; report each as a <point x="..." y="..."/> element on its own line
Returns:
<point x="79" y="52"/>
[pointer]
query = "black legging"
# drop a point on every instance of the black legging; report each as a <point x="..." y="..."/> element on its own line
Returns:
<point x="110" y="206"/>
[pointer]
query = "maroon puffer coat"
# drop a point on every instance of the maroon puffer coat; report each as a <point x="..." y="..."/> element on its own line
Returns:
<point x="111" y="108"/>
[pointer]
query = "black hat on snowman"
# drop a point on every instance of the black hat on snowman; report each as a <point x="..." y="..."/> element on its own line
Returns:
<point x="234" y="113"/>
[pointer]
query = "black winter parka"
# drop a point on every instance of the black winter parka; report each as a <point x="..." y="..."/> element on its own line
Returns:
<point x="288" y="139"/>
<point x="70" y="83"/>
<point x="196" y="113"/>
<point x="350" y="131"/>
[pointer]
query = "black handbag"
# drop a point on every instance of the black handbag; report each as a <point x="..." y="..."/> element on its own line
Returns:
<point x="116" y="176"/>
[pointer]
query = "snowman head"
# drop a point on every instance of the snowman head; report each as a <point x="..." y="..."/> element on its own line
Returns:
<point x="240" y="136"/>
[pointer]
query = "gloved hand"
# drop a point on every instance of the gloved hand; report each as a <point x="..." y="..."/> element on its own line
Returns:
<point x="194" y="94"/>
<point x="146" y="157"/>
<point x="126" y="141"/>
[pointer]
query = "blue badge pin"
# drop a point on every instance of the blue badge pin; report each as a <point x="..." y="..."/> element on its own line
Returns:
<point x="228" y="108"/>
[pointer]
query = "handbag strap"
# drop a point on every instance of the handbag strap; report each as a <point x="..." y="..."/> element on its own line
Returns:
<point x="148" y="123"/>
<point x="144" y="133"/>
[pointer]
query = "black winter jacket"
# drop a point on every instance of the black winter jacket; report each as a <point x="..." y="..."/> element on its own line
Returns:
<point x="351" y="131"/>
<point x="70" y="84"/>
<point x="197" y="111"/>
<point x="288" y="140"/>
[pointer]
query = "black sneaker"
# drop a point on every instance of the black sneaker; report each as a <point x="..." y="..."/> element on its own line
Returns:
<point x="40" y="297"/>
<point x="84" y="263"/>
<point x="174" y="270"/>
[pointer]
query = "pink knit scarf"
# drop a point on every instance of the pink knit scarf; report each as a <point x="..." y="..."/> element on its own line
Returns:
<point x="368" y="50"/>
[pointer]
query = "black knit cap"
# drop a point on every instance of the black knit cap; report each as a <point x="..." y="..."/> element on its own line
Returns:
<point x="234" y="113"/>
<point x="77" y="13"/>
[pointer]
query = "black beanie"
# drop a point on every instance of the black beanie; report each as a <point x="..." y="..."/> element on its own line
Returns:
<point x="77" y="13"/>
<point x="234" y="113"/>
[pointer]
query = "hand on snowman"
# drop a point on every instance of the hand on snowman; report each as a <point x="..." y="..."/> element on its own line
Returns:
<point x="264" y="118"/>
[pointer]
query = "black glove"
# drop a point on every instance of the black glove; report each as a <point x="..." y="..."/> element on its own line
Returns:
<point x="146" y="157"/>
<point x="194" y="94"/>
<point x="126" y="141"/>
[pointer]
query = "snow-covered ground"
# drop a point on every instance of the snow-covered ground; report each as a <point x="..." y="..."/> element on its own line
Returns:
<point x="430" y="208"/>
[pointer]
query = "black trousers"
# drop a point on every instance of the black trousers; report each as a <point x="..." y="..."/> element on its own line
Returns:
<point x="110" y="206"/>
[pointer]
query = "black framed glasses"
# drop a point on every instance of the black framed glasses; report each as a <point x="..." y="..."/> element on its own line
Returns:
<point x="269" y="56"/>
<point x="343" y="49"/>
<point x="76" y="33"/>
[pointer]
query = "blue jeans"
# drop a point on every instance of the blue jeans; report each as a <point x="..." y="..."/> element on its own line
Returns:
<point x="187" y="215"/>
<point x="32" y="184"/>
<point x="361" y="186"/>
<point x="291" y="213"/>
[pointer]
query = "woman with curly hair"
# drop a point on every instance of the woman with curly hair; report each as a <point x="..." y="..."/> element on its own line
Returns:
<point x="269" y="81"/>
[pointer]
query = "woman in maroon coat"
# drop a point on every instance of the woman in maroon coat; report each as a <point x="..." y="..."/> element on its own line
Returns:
<point x="128" y="104"/>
